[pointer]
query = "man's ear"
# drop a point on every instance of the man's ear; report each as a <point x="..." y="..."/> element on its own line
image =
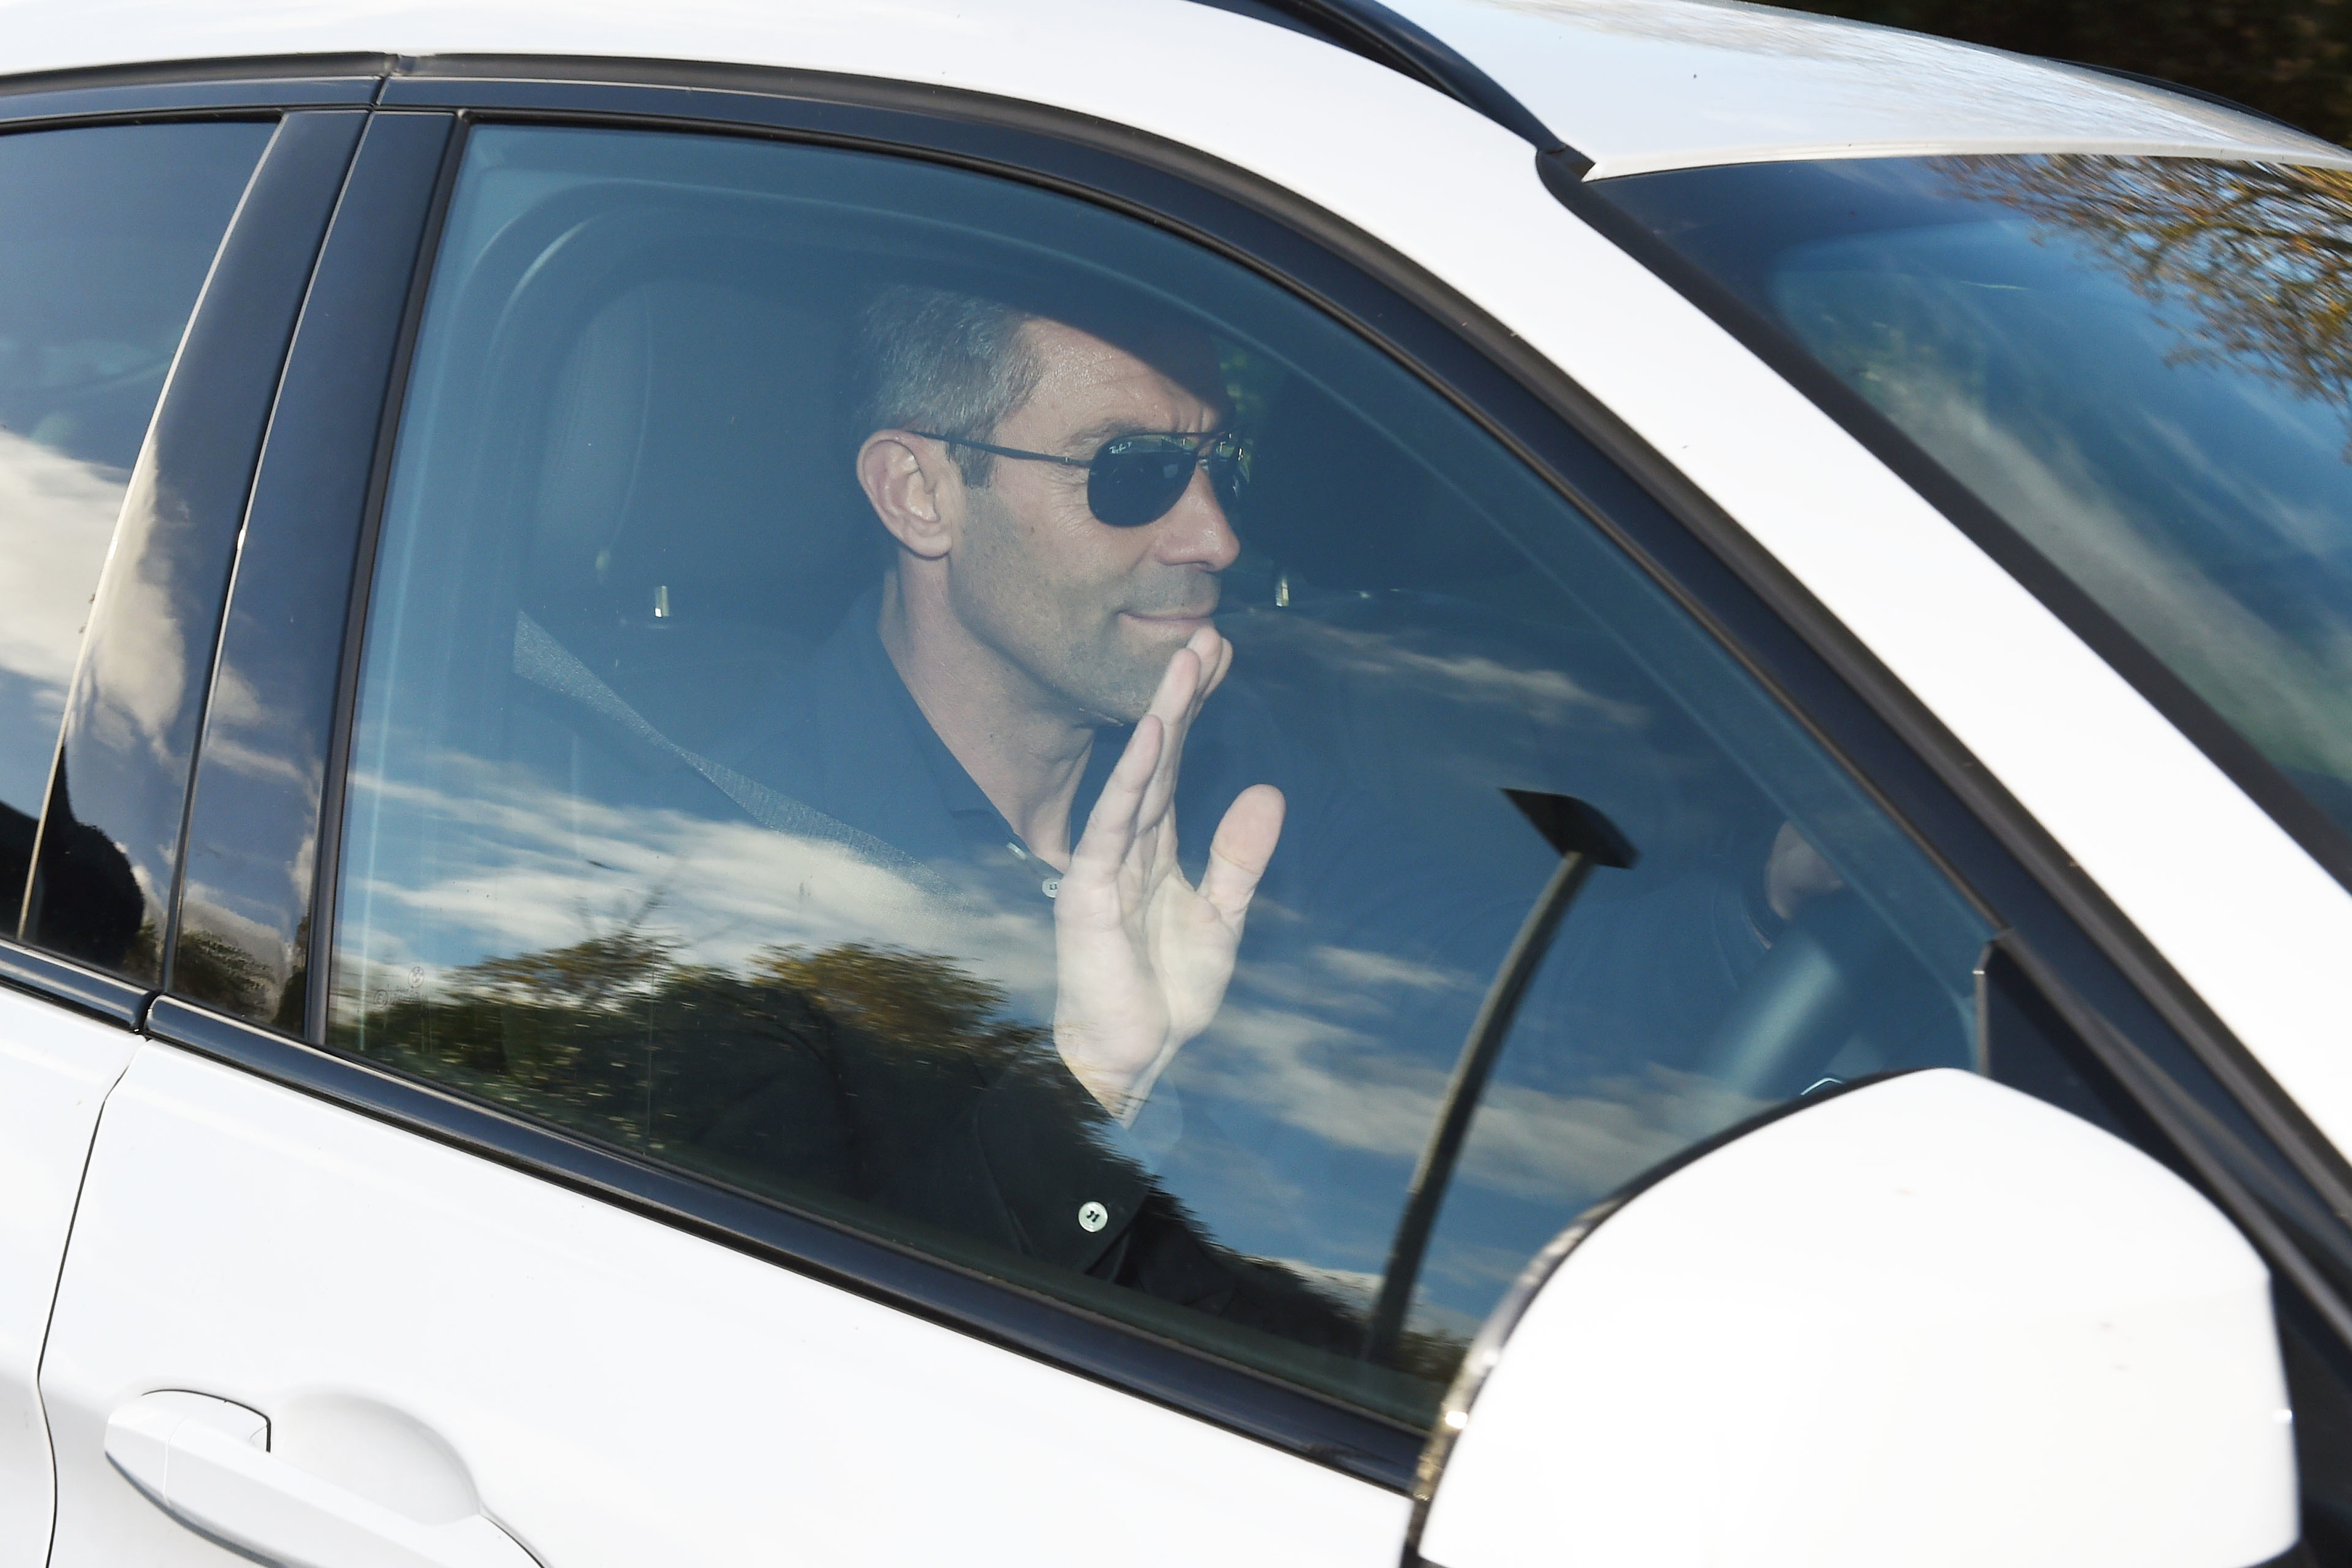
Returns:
<point x="915" y="490"/>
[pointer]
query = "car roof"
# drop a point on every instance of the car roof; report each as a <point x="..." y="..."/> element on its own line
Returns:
<point x="1643" y="85"/>
<point x="1633" y="85"/>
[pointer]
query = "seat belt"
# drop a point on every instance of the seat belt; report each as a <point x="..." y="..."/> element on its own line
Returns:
<point x="549" y="665"/>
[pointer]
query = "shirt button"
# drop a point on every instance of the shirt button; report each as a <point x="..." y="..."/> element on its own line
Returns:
<point x="1092" y="1217"/>
<point x="1053" y="886"/>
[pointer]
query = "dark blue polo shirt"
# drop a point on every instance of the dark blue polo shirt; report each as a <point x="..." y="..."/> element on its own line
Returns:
<point x="1637" y="971"/>
<point x="846" y="738"/>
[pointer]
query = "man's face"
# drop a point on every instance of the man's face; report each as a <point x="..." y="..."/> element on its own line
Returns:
<point x="1091" y="612"/>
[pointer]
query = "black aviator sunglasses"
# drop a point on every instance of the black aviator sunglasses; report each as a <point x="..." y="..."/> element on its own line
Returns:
<point x="1138" y="478"/>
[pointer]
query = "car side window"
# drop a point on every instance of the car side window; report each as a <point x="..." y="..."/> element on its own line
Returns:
<point x="950" y="710"/>
<point x="110" y="232"/>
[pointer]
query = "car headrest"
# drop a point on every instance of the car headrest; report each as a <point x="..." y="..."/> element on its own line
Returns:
<point x="694" y="452"/>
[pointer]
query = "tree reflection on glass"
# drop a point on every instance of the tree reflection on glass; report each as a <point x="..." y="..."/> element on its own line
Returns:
<point x="621" y="1036"/>
<point x="743" y="1071"/>
<point x="210" y="967"/>
<point x="2143" y="365"/>
<point x="2258" y="255"/>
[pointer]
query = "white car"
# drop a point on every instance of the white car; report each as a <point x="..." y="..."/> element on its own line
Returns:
<point x="599" y="605"/>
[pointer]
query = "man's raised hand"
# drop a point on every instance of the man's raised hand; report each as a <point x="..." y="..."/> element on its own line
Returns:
<point x="1143" y="956"/>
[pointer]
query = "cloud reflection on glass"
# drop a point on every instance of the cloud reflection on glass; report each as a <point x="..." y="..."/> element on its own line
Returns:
<point x="56" y="516"/>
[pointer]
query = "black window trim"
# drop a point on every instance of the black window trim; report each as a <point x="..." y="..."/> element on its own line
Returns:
<point x="311" y="514"/>
<point x="1380" y="35"/>
<point x="236" y="88"/>
<point x="55" y="979"/>
<point x="231" y="90"/>
<point x="201" y="450"/>
<point x="2083" y="946"/>
<point x="329" y="842"/>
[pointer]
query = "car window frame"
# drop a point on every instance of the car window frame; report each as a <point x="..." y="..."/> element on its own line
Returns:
<point x="2060" y="929"/>
<point x="220" y="90"/>
<point x="310" y="518"/>
<point x="180" y="531"/>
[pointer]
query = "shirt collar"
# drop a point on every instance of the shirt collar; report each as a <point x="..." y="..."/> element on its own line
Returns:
<point x="986" y="835"/>
<point x="879" y="683"/>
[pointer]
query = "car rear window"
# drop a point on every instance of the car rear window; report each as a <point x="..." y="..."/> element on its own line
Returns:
<point x="108" y="235"/>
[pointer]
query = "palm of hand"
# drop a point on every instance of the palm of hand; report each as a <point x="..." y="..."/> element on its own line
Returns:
<point x="1143" y="956"/>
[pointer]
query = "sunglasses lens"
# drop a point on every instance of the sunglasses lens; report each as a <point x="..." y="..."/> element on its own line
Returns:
<point x="1134" y="482"/>
<point x="1137" y="478"/>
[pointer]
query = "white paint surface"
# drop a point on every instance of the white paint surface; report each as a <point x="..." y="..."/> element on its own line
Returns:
<point x="619" y="1392"/>
<point x="1932" y="1322"/>
<point x="353" y="1227"/>
<point x="55" y="1068"/>
<point x="1641" y="85"/>
<point x="1634" y="84"/>
<point x="208" y="1463"/>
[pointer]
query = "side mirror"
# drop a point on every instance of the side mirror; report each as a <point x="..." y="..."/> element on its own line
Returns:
<point x="1928" y="1321"/>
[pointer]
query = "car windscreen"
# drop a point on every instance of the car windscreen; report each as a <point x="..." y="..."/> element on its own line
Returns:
<point x="2143" y="366"/>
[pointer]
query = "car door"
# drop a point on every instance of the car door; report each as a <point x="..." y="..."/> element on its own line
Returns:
<point x="556" y="1129"/>
<point x="115" y="229"/>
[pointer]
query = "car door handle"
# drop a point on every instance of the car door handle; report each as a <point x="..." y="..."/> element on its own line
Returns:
<point x="206" y="1463"/>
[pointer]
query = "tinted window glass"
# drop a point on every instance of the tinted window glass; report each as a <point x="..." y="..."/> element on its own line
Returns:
<point x="796" y="568"/>
<point x="2141" y="363"/>
<point x="109" y="233"/>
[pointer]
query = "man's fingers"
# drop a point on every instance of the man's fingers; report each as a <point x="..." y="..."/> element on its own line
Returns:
<point x="1174" y="704"/>
<point x="1132" y="774"/>
<point x="1216" y="656"/>
<point x="1239" y="853"/>
<point x="1192" y="672"/>
<point x="1111" y="825"/>
<point x="1184" y="690"/>
<point x="1211" y="654"/>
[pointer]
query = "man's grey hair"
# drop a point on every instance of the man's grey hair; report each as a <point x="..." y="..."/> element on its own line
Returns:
<point x="954" y="364"/>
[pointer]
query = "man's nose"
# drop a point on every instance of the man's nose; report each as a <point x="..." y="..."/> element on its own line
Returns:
<point x="1196" y="531"/>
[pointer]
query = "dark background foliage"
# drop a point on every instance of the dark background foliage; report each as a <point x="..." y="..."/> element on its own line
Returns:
<point x="2288" y="58"/>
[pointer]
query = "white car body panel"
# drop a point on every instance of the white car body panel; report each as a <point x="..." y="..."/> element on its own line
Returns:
<point x="622" y="1393"/>
<point x="387" y="1241"/>
<point x="1643" y="85"/>
<point x="56" y="1067"/>
<point x="1635" y="85"/>
<point x="1784" y="1355"/>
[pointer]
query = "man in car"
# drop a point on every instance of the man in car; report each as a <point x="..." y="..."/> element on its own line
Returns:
<point x="960" y="716"/>
<point x="1028" y="701"/>
<point x="1026" y="626"/>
